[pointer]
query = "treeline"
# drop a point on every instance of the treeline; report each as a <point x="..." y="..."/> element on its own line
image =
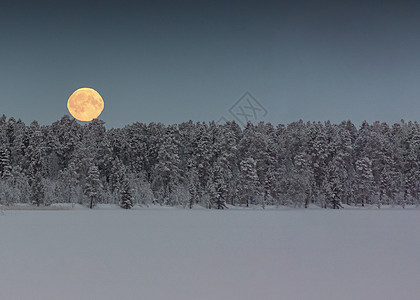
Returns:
<point x="209" y="164"/>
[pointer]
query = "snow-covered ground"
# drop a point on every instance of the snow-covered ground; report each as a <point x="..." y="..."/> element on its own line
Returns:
<point x="207" y="254"/>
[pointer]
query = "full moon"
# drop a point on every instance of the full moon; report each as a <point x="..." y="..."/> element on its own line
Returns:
<point x="85" y="104"/>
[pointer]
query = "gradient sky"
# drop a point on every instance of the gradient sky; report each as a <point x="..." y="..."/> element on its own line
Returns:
<point x="172" y="61"/>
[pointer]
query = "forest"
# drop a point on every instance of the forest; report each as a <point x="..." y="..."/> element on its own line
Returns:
<point x="210" y="165"/>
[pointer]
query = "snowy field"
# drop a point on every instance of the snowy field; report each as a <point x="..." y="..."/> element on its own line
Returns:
<point x="207" y="254"/>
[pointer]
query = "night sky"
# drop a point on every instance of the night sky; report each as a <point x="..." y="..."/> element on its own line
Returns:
<point x="172" y="61"/>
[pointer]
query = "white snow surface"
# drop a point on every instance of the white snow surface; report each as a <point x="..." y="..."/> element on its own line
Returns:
<point x="208" y="254"/>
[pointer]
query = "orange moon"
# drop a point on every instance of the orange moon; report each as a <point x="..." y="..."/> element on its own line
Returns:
<point x="85" y="104"/>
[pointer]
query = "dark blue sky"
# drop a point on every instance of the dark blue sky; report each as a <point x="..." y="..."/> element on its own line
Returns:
<point x="170" y="62"/>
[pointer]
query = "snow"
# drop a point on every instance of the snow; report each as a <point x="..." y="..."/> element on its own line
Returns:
<point x="208" y="254"/>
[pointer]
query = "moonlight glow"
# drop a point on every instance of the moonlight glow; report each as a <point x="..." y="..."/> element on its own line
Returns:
<point x="85" y="104"/>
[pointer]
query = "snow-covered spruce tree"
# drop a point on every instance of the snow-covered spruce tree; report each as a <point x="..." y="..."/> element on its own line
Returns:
<point x="93" y="186"/>
<point x="126" y="195"/>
